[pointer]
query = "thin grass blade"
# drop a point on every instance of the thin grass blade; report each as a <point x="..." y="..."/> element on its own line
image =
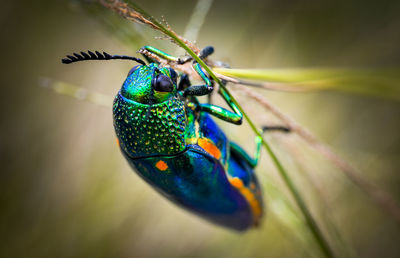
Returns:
<point x="378" y="82"/>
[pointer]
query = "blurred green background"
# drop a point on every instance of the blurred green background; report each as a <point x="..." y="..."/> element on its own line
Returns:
<point x="67" y="192"/>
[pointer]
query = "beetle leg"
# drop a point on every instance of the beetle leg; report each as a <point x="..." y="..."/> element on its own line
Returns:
<point x="184" y="82"/>
<point x="164" y="55"/>
<point x="149" y="59"/>
<point x="278" y="128"/>
<point x="205" y="52"/>
<point x="235" y="117"/>
<point x="199" y="90"/>
<point x="217" y="111"/>
<point x="254" y="161"/>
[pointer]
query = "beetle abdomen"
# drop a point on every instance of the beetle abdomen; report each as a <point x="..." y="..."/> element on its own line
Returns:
<point x="198" y="182"/>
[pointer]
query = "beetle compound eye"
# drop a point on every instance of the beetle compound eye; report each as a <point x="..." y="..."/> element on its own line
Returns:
<point x="133" y="69"/>
<point x="162" y="83"/>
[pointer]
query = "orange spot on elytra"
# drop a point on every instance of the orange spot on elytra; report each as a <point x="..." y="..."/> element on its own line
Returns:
<point x="256" y="208"/>
<point x="249" y="196"/>
<point x="117" y="141"/>
<point x="209" y="147"/>
<point x="161" y="165"/>
<point x="236" y="182"/>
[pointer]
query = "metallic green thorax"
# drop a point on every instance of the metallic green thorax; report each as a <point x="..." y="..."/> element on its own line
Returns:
<point x="145" y="130"/>
<point x="149" y="122"/>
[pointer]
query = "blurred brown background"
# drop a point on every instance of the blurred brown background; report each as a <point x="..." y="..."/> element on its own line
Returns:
<point x="67" y="192"/>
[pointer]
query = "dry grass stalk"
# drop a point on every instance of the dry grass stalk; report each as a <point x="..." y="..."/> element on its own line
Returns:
<point x="125" y="11"/>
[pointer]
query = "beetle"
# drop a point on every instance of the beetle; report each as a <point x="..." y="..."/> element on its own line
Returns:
<point x="170" y="139"/>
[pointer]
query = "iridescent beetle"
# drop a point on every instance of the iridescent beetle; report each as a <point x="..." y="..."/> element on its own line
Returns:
<point x="169" y="138"/>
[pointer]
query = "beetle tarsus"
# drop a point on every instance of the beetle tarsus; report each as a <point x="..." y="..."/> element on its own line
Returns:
<point x="282" y="129"/>
<point x="205" y="52"/>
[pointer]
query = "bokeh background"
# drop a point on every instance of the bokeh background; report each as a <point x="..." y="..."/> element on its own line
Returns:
<point x="65" y="190"/>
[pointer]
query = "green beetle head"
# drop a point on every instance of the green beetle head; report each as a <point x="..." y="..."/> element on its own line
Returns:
<point x="149" y="84"/>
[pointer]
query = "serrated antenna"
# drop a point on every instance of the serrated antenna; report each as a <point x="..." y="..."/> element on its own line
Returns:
<point x="97" y="56"/>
